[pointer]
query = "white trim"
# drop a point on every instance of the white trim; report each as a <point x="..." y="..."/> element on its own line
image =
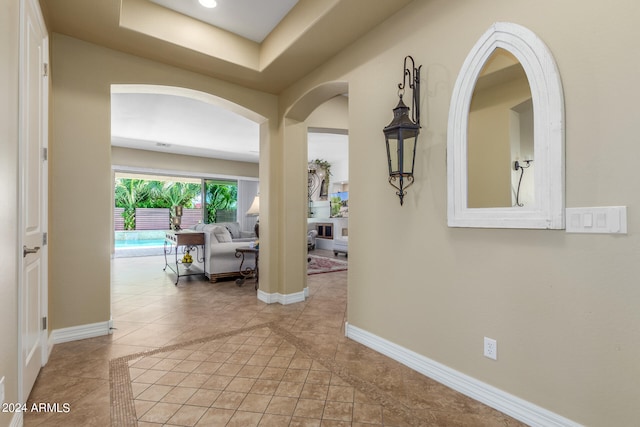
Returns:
<point x="17" y="420"/>
<point x="80" y="332"/>
<point x="283" y="299"/>
<point x="265" y="297"/>
<point x="548" y="112"/>
<point x="50" y="344"/>
<point x="509" y="404"/>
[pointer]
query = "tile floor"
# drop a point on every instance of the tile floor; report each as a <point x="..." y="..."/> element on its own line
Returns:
<point x="212" y="354"/>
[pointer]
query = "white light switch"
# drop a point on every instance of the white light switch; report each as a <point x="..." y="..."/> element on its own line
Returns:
<point x="603" y="219"/>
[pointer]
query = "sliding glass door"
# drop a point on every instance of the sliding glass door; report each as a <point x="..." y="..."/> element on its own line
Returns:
<point x="221" y="199"/>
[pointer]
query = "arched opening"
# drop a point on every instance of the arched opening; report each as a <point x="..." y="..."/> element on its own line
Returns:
<point x="296" y="137"/>
<point x="185" y="135"/>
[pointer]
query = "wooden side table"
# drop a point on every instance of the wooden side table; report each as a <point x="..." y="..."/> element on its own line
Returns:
<point x="247" y="272"/>
<point x="185" y="240"/>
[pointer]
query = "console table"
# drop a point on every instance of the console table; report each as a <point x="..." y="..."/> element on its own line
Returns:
<point x="247" y="271"/>
<point x="183" y="241"/>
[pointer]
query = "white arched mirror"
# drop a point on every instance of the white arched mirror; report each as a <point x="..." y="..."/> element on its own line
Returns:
<point x="505" y="161"/>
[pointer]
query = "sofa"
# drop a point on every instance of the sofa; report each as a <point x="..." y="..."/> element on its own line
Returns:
<point x="341" y="245"/>
<point x="220" y="242"/>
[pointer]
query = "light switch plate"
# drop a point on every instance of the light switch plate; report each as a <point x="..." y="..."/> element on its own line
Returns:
<point x="602" y="219"/>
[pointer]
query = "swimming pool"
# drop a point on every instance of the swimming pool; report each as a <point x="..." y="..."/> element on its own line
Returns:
<point x="137" y="243"/>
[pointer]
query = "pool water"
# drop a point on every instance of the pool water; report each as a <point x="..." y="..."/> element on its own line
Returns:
<point x="137" y="243"/>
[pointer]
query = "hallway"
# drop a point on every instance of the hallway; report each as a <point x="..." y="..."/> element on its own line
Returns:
<point x="313" y="375"/>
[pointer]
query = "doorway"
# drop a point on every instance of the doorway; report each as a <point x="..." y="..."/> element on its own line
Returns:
<point x="187" y="134"/>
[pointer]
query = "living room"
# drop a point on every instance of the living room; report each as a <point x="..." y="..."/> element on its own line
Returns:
<point x="173" y="134"/>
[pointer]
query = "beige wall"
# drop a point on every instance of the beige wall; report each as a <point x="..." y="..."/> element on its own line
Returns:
<point x="333" y="115"/>
<point x="563" y="307"/>
<point x="80" y="168"/>
<point x="142" y="159"/>
<point x="9" y="30"/>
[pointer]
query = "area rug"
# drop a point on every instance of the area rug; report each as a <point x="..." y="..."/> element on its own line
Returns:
<point x="320" y="264"/>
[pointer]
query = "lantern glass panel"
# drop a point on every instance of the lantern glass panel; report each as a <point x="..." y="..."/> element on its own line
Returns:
<point x="392" y="154"/>
<point x="401" y="153"/>
<point x="409" y="154"/>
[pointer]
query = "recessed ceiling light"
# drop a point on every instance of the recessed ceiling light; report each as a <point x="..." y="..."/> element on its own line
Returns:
<point x="209" y="3"/>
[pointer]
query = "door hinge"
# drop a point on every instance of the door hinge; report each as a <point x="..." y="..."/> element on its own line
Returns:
<point x="44" y="322"/>
<point x="44" y="238"/>
<point x="46" y="69"/>
<point x="45" y="153"/>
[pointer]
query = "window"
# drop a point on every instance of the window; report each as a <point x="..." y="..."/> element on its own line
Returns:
<point x="221" y="198"/>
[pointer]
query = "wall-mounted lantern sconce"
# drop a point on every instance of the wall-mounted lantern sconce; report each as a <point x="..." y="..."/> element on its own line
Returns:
<point x="402" y="133"/>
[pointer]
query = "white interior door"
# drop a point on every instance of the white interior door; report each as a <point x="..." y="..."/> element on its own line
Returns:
<point x="33" y="194"/>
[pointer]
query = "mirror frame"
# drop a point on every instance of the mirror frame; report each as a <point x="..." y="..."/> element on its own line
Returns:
<point x="548" y="116"/>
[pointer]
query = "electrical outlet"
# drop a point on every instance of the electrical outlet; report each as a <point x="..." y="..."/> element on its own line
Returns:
<point x="490" y="348"/>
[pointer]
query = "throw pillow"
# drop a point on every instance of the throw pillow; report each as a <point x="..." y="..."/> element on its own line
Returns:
<point x="230" y="232"/>
<point x="222" y="234"/>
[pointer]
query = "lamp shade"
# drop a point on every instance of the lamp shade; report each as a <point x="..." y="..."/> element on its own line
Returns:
<point x="254" y="210"/>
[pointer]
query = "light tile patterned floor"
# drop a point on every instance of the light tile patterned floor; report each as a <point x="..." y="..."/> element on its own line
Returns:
<point x="211" y="354"/>
<point x="257" y="376"/>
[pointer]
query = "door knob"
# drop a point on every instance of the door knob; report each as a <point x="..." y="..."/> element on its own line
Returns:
<point x="26" y="250"/>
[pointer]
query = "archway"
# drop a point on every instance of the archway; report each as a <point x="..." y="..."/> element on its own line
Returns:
<point x="189" y="93"/>
<point x="185" y="161"/>
<point x="295" y="194"/>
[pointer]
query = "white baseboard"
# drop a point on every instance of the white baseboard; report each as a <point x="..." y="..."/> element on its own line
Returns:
<point x="80" y="332"/>
<point x="17" y="420"/>
<point x="265" y="297"/>
<point x="509" y="404"/>
<point x="49" y="345"/>
<point x="283" y="299"/>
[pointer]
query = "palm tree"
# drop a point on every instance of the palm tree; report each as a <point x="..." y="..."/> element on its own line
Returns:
<point x="128" y="194"/>
<point x="179" y="194"/>
<point x="219" y="196"/>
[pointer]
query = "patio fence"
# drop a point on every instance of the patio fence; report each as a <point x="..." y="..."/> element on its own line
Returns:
<point x="191" y="217"/>
<point x="118" y="219"/>
<point x="152" y="219"/>
<point x="156" y="218"/>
